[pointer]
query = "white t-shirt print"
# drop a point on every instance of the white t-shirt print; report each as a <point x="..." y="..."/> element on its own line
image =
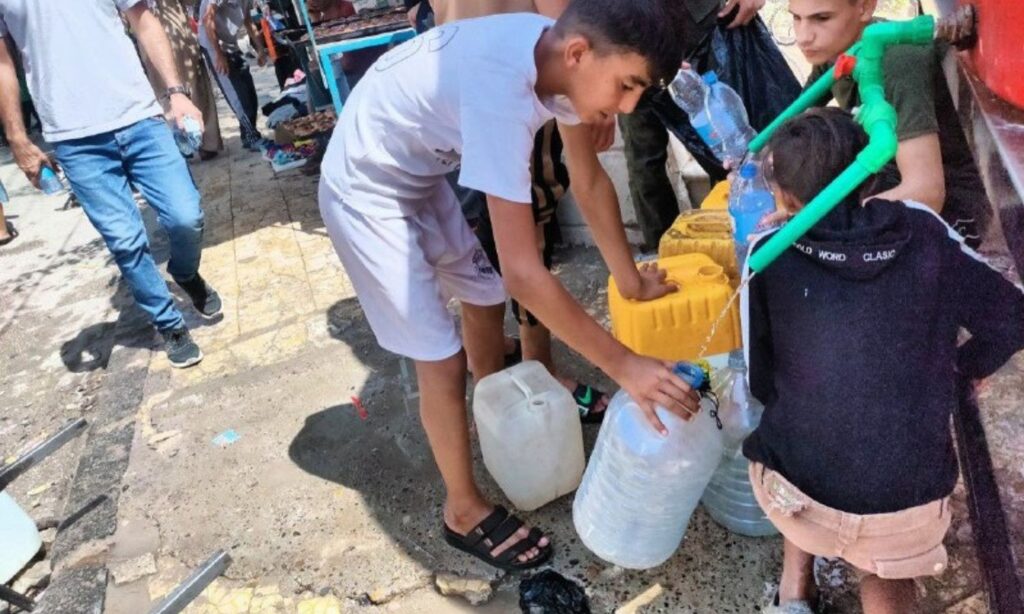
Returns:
<point x="460" y="96"/>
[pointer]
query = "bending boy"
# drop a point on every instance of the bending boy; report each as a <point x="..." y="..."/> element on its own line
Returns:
<point x="474" y="93"/>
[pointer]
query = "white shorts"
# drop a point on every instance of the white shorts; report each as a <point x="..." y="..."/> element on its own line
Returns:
<point x="406" y="269"/>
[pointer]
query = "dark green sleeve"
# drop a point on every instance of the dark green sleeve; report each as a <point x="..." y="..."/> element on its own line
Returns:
<point x="816" y="73"/>
<point x="910" y="88"/>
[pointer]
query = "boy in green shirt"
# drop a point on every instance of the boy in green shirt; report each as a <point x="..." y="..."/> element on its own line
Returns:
<point x="933" y="163"/>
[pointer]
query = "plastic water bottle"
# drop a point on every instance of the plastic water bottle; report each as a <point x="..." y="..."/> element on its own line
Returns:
<point x="689" y="92"/>
<point x="50" y="183"/>
<point x="728" y="119"/>
<point x="190" y="138"/>
<point x="716" y="112"/>
<point x="4" y="199"/>
<point x="641" y="488"/>
<point x="749" y="201"/>
<point x="738" y="410"/>
<point x="530" y="434"/>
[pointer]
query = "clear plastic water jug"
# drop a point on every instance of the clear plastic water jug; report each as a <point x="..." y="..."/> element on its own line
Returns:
<point x="729" y="498"/>
<point x="530" y="434"/>
<point x="641" y="488"/>
<point x="19" y="538"/>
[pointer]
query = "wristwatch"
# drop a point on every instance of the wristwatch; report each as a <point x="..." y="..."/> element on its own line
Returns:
<point x="177" y="89"/>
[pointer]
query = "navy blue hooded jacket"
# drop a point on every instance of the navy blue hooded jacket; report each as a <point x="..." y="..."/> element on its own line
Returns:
<point x="852" y="347"/>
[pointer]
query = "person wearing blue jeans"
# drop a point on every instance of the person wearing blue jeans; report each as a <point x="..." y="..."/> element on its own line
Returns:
<point x="109" y="137"/>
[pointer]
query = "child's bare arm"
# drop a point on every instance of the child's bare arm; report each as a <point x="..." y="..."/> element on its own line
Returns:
<point x="919" y="160"/>
<point x="596" y="197"/>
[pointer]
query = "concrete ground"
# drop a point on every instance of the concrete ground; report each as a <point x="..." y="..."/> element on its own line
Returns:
<point x="321" y="510"/>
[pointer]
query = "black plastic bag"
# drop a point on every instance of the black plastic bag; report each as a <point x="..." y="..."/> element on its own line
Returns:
<point x="748" y="60"/>
<point x="548" y="592"/>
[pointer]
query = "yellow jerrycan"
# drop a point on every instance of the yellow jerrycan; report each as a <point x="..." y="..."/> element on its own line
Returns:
<point x="674" y="326"/>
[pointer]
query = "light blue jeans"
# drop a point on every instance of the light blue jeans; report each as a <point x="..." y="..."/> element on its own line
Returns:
<point x="102" y="170"/>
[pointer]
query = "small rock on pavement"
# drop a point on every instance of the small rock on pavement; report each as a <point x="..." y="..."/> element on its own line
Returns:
<point x="48" y="536"/>
<point x="130" y="570"/>
<point x="473" y="590"/>
<point x="35" y="577"/>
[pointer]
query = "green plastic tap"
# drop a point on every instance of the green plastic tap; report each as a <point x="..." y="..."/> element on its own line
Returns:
<point x="877" y="116"/>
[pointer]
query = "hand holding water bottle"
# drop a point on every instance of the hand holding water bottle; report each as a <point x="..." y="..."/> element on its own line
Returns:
<point x="30" y="159"/>
<point x="180" y="106"/>
<point x="189" y="137"/>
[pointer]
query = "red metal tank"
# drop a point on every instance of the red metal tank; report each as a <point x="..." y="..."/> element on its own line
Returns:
<point x="998" y="57"/>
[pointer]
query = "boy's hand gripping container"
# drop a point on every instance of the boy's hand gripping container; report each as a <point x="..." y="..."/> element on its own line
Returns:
<point x="641" y="488"/>
<point x="530" y="434"/>
<point x="674" y="326"/>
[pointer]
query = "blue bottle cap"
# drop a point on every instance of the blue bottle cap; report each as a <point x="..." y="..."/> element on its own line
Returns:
<point x="690" y="373"/>
<point x="710" y="77"/>
<point x="748" y="170"/>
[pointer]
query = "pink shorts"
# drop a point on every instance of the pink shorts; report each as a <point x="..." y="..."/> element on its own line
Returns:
<point x="895" y="546"/>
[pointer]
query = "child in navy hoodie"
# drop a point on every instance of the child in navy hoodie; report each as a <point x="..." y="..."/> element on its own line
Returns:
<point x="852" y="348"/>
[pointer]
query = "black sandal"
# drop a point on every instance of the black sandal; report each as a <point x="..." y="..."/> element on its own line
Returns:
<point x="493" y="531"/>
<point x="587" y="398"/>
<point x="12" y="232"/>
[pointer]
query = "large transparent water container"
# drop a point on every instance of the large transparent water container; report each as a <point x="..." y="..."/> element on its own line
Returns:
<point x="641" y="488"/>
<point x="530" y="434"/>
<point x="729" y="498"/>
<point x="19" y="538"/>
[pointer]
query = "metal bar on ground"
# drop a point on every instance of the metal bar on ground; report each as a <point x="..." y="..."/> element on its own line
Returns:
<point x="16" y="599"/>
<point x="191" y="588"/>
<point x="988" y="522"/>
<point x="31" y="458"/>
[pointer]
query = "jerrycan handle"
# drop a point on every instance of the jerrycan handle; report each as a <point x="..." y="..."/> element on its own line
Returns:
<point x="527" y="392"/>
<point x="690" y="373"/>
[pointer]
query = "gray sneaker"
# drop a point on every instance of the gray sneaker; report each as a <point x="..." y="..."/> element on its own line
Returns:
<point x="204" y="298"/>
<point x="181" y="351"/>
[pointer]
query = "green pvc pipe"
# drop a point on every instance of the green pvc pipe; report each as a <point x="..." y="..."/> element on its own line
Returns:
<point x="876" y="115"/>
<point x="810" y="97"/>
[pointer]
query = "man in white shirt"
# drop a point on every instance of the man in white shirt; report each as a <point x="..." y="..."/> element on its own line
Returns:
<point x="109" y="135"/>
<point x="472" y="94"/>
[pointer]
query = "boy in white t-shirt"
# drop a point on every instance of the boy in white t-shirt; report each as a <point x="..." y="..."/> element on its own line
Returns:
<point x="473" y="94"/>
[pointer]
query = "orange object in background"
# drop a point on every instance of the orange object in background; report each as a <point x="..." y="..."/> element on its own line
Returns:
<point x="674" y="326"/>
<point x="268" y="40"/>
<point x="997" y="58"/>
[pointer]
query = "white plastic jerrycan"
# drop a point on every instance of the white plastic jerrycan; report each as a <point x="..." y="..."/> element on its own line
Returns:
<point x="640" y="487"/>
<point x="530" y="434"/>
<point x="19" y="538"/>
